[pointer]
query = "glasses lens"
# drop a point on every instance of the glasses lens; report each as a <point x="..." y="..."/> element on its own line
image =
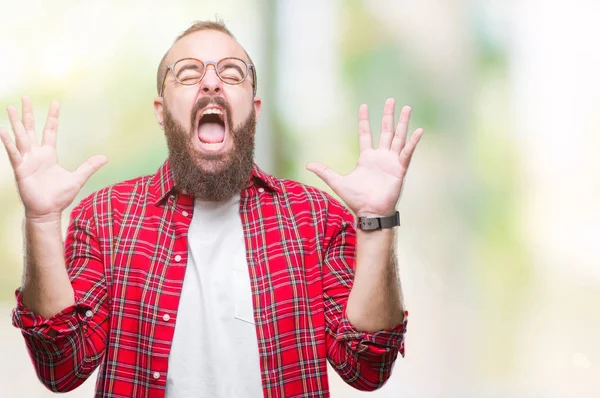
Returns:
<point x="232" y="70"/>
<point x="188" y="71"/>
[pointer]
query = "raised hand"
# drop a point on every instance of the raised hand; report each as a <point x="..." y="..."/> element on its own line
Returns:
<point x="373" y="188"/>
<point x="45" y="188"/>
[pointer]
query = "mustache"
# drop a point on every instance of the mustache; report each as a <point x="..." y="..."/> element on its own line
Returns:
<point x="204" y="102"/>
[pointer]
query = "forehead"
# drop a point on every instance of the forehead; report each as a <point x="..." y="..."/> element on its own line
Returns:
<point x="206" y="45"/>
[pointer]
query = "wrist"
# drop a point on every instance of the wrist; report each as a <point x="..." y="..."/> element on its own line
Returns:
<point x="42" y="220"/>
<point x="372" y="212"/>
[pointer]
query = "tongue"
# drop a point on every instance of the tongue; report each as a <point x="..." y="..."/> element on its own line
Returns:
<point x="211" y="133"/>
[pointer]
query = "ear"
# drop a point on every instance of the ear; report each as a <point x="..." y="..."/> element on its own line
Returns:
<point x="257" y="105"/>
<point x="158" y="110"/>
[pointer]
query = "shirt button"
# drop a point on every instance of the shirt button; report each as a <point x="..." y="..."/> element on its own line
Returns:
<point x="89" y="313"/>
<point x="185" y="213"/>
<point x="166" y="317"/>
<point x="178" y="258"/>
<point x="156" y="375"/>
<point x="261" y="190"/>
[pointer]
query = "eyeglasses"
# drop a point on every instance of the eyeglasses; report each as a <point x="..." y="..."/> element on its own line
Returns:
<point x="190" y="71"/>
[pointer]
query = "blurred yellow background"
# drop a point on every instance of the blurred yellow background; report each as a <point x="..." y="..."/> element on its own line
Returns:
<point x="499" y="244"/>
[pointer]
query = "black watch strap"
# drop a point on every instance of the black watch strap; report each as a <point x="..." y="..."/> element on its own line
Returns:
<point x="373" y="223"/>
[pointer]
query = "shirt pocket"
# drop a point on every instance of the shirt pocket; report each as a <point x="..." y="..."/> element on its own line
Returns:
<point x="242" y="293"/>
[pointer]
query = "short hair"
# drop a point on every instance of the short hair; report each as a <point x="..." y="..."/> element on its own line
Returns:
<point x="197" y="26"/>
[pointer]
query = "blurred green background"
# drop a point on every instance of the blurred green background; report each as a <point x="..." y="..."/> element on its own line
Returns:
<point x="498" y="248"/>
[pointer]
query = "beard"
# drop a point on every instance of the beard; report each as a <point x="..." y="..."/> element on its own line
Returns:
<point x="210" y="177"/>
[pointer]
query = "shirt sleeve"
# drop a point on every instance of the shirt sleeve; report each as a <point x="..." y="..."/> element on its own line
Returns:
<point x="363" y="360"/>
<point x="66" y="348"/>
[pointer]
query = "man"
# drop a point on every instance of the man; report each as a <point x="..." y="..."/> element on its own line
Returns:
<point x="210" y="278"/>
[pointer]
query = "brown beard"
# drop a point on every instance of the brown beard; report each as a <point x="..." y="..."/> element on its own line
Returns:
<point x="210" y="177"/>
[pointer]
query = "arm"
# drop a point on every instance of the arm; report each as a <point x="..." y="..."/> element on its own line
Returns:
<point x="68" y="345"/>
<point x="366" y="317"/>
<point x="363" y="359"/>
<point x="375" y="301"/>
<point x="46" y="289"/>
<point x="373" y="189"/>
<point x="63" y="331"/>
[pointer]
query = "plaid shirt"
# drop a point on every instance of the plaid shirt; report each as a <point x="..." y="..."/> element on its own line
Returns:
<point x="126" y="253"/>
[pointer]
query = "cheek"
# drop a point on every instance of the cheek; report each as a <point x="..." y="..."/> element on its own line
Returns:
<point x="241" y="109"/>
<point x="181" y="108"/>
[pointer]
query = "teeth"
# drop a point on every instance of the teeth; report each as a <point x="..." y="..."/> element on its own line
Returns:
<point x="212" y="111"/>
<point x="216" y="145"/>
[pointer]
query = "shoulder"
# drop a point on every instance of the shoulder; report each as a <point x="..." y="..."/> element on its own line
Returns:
<point x="117" y="194"/>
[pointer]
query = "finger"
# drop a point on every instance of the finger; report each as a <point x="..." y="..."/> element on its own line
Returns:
<point x="328" y="176"/>
<point x="387" y="124"/>
<point x="409" y="148"/>
<point x="89" y="167"/>
<point x="28" y="120"/>
<point x="365" y="140"/>
<point x="11" y="149"/>
<point x="401" y="130"/>
<point x="51" y="127"/>
<point x="21" y="137"/>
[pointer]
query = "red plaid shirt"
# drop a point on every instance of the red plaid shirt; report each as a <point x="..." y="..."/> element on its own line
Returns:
<point x="126" y="253"/>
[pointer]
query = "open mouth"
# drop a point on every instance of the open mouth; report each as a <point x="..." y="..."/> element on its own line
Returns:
<point x="211" y="128"/>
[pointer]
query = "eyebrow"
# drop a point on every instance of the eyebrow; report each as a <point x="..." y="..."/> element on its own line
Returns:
<point x="232" y="65"/>
<point x="188" y="66"/>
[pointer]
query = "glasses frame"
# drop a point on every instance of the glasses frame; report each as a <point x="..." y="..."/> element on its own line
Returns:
<point x="249" y="68"/>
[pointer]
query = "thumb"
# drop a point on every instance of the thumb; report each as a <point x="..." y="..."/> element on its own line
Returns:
<point x="89" y="167"/>
<point x="324" y="173"/>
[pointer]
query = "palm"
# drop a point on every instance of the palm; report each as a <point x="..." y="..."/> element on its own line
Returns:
<point x="374" y="186"/>
<point x="45" y="187"/>
<point x="362" y="187"/>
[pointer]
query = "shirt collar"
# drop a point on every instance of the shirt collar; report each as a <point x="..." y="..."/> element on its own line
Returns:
<point x="162" y="184"/>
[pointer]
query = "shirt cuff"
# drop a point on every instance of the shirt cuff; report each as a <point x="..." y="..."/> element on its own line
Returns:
<point x="374" y="344"/>
<point x="61" y="324"/>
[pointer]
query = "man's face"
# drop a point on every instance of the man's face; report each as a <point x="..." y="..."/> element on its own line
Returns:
<point x="210" y="124"/>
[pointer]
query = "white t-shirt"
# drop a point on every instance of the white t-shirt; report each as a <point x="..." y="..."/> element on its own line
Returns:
<point x="214" y="351"/>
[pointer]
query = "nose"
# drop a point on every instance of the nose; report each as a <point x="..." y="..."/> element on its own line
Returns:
<point x="211" y="84"/>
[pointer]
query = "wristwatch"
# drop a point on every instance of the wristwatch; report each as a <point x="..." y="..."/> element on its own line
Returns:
<point x="373" y="223"/>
